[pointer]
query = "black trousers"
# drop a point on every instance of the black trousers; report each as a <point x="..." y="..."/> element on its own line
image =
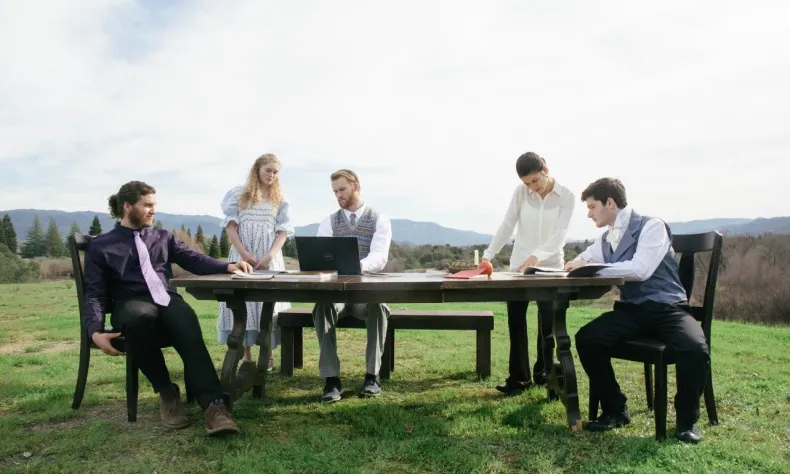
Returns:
<point x="146" y="325"/>
<point x="519" y="346"/>
<point x="668" y="323"/>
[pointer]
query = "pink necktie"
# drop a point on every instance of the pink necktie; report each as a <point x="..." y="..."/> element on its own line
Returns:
<point x="353" y="219"/>
<point x="152" y="280"/>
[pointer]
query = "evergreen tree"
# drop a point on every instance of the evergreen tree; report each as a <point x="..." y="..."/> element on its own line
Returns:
<point x="189" y="232"/>
<point x="200" y="237"/>
<point x="75" y="229"/>
<point x="158" y="225"/>
<point x="289" y="249"/>
<point x="53" y="245"/>
<point x="10" y="234"/>
<point x="213" y="248"/>
<point x="95" y="227"/>
<point x="224" y="244"/>
<point x="3" y="240"/>
<point x="34" y="246"/>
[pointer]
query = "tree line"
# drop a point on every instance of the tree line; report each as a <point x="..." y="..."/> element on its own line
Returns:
<point x="50" y="243"/>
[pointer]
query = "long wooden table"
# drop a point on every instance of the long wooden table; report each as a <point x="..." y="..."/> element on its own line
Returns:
<point x="400" y="288"/>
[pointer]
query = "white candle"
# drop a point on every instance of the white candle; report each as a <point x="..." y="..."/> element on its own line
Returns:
<point x="477" y="258"/>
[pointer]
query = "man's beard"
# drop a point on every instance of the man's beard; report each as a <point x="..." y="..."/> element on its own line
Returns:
<point x="137" y="221"/>
<point x="350" y="202"/>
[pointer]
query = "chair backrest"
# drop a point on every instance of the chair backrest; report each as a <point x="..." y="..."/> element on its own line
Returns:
<point x="78" y="243"/>
<point x="688" y="246"/>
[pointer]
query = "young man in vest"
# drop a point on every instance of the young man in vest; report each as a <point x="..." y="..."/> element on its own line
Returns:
<point x="652" y="303"/>
<point x="374" y="234"/>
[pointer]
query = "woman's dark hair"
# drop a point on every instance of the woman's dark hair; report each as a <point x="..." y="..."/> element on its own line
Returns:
<point x="130" y="192"/>
<point x="605" y="188"/>
<point x="529" y="163"/>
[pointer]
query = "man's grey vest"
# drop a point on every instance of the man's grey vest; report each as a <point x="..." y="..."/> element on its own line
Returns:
<point x="363" y="230"/>
<point x="663" y="286"/>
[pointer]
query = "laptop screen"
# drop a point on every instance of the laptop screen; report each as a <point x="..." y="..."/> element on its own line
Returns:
<point x="329" y="253"/>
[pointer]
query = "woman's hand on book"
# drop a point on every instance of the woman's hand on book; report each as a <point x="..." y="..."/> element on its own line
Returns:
<point x="532" y="261"/>
<point x="574" y="264"/>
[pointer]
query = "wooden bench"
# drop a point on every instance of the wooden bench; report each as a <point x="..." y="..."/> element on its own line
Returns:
<point x="291" y="322"/>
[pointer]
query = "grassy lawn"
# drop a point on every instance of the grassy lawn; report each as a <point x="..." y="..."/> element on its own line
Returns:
<point x="433" y="415"/>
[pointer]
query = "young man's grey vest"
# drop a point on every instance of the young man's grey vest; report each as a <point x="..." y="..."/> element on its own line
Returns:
<point x="363" y="230"/>
<point x="663" y="286"/>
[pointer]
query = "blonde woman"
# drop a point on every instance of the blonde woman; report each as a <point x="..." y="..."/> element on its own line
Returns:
<point x="258" y="223"/>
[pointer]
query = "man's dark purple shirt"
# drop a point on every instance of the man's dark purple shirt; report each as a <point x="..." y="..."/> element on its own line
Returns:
<point x="112" y="268"/>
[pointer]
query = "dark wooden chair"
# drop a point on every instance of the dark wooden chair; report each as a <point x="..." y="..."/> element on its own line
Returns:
<point x="79" y="243"/>
<point x="654" y="353"/>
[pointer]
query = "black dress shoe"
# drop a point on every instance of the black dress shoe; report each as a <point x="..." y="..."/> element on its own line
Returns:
<point x="372" y="386"/>
<point x="332" y="390"/>
<point x="540" y="378"/>
<point x="688" y="435"/>
<point x="513" y="388"/>
<point x="608" y="422"/>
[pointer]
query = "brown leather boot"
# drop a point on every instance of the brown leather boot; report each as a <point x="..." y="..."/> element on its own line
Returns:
<point x="171" y="410"/>
<point x="218" y="420"/>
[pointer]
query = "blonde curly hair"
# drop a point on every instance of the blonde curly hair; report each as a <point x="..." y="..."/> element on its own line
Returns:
<point x="254" y="191"/>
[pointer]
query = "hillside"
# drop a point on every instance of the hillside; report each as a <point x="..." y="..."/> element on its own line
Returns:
<point x="404" y="231"/>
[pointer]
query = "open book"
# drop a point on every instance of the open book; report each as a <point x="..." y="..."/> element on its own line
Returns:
<point x="257" y="275"/>
<point x="585" y="271"/>
<point x="269" y="274"/>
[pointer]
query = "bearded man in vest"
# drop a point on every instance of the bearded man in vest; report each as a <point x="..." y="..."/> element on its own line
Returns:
<point x="373" y="231"/>
<point x="652" y="303"/>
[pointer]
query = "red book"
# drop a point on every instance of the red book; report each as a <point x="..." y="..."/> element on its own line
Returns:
<point x="466" y="274"/>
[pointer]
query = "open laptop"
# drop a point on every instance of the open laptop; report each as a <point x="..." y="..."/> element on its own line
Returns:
<point x="329" y="253"/>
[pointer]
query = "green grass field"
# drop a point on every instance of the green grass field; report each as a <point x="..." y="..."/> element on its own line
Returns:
<point x="433" y="416"/>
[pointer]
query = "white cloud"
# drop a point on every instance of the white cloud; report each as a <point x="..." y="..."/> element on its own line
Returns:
<point x="433" y="101"/>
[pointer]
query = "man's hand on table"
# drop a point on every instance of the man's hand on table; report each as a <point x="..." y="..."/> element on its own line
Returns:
<point x="243" y="266"/>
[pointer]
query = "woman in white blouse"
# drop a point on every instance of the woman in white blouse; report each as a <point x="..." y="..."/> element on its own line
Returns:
<point x="258" y="223"/>
<point x="540" y="211"/>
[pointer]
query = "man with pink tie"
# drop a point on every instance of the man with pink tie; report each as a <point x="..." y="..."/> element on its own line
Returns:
<point x="130" y="266"/>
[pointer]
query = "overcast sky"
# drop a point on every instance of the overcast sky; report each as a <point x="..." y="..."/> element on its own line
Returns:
<point x="430" y="102"/>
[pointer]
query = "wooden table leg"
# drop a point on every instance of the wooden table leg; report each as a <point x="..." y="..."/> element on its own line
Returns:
<point x="546" y="327"/>
<point x="265" y="343"/>
<point x="235" y="351"/>
<point x="564" y="374"/>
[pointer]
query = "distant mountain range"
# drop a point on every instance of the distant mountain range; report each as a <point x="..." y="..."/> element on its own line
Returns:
<point x="403" y="230"/>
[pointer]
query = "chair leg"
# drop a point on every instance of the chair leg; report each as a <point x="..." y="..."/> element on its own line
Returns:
<point x="660" y="408"/>
<point x="649" y="385"/>
<point x="82" y="372"/>
<point x="131" y="387"/>
<point x="710" y="401"/>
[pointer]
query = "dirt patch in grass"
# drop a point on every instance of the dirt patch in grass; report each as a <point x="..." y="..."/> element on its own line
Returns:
<point x="109" y="411"/>
<point x="37" y="347"/>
